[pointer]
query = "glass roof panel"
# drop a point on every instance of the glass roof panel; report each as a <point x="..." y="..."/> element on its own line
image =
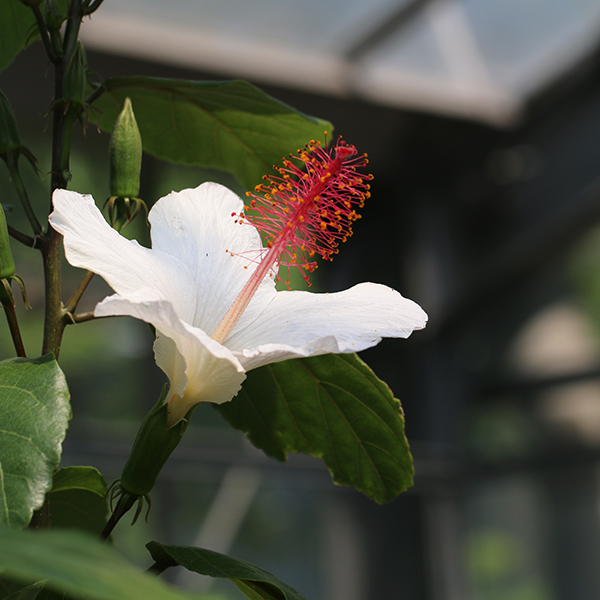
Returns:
<point x="518" y="38"/>
<point x="475" y="58"/>
<point x="308" y="24"/>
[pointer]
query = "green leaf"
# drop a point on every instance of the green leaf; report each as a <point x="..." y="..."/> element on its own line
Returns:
<point x="16" y="24"/>
<point x="79" y="478"/>
<point x="254" y="582"/>
<point x="231" y="126"/>
<point x="332" y="407"/>
<point x="18" y="28"/>
<point x="79" y="565"/>
<point x="34" y="416"/>
<point x="77" y="499"/>
<point x="13" y="590"/>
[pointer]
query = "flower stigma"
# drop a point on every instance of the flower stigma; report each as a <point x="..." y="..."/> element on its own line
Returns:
<point x="305" y="211"/>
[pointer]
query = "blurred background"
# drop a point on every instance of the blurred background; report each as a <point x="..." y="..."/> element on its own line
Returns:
<point x="482" y="124"/>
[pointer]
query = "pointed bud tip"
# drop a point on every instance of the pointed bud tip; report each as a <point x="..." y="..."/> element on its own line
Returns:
<point x="125" y="152"/>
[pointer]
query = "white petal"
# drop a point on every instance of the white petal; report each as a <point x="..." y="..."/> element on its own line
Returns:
<point x="300" y="324"/>
<point x="196" y="227"/>
<point x="199" y="369"/>
<point x="199" y="258"/>
<point x="91" y="243"/>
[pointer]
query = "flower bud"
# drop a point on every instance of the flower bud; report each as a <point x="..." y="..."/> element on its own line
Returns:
<point x="125" y="152"/>
<point x="53" y="16"/>
<point x="152" y="447"/>
<point x="9" y="135"/>
<point x="76" y="76"/>
<point x="7" y="264"/>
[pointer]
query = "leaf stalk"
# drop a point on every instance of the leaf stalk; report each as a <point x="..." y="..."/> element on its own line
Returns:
<point x="13" y="325"/>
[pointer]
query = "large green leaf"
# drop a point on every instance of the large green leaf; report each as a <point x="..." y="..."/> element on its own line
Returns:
<point x="34" y="415"/>
<point x="79" y="565"/>
<point x="332" y="407"/>
<point x="16" y="23"/>
<point x="231" y="126"/>
<point x="77" y="499"/>
<point x="254" y="582"/>
<point x="14" y="590"/>
<point x="18" y="28"/>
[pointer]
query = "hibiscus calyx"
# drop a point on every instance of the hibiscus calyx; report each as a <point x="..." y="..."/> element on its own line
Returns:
<point x="153" y="444"/>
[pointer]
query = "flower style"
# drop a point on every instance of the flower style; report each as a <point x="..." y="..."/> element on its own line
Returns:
<point x="197" y="270"/>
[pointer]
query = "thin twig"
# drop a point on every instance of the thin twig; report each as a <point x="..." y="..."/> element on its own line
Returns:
<point x="93" y="7"/>
<point x="15" y="332"/>
<point x="25" y="239"/>
<point x="73" y="301"/>
<point x="124" y="503"/>
<point x="98" y="91"/>
<point x="44" y="35"/>
<point x="83" y="317"/>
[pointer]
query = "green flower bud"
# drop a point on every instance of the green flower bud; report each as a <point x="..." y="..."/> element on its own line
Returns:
<point x="53" y="17"/>
<point x="125" y="152"/>
<point x="9" y="134"/>
<point x="152" y="447"/>
<point x="76" y="76"/>
<point x="7" y="267"/>
<point x="7" y="264"/>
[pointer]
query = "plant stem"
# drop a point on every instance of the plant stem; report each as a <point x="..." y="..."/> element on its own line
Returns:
<point x="124" y="503"/>
<point x="73" y="301"/>
<point x="44" y="35"/>
<point x="62" y="124"/>
<point x="98" y="91"/>
<point x="13" y="325"/>
<point x="94" y="6"/>
<point x="76" y="13"/>
<point x="54" y="324"/>
<point x="83" y="317"/>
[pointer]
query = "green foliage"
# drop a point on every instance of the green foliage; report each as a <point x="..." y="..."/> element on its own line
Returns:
<point x="17" y="28"/>
<point x="77" y="499"/>
<point x="9" y="133"/>
<point x="79" y="565"/>
<point x="332" y="407"/>
<point x="254" y="582"/>
<point x="231" y="126"/>
<point x="13" y="590"/>
<point x="16" y="23"/>
<point x="79" y="478"/>
<point x="33" y="422"/>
